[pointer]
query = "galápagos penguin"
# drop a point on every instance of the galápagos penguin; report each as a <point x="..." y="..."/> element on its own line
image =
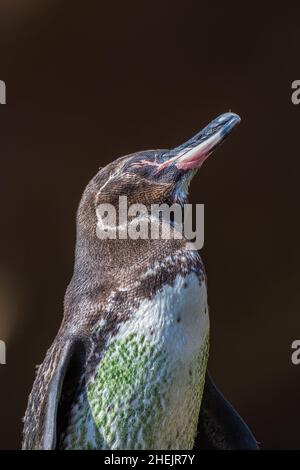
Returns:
<point x="127" y="369"/>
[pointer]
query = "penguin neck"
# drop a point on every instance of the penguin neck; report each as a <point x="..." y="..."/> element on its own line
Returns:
<point x="106" y="266"/>
<point x="106" y="256"/>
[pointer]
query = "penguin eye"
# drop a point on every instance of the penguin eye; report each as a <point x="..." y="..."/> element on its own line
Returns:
<point x="139" y="164"/>
<point x="141" y="169"/>
<point x="144" y="164"/>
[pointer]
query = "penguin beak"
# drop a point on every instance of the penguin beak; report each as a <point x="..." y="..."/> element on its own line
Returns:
<point x="192" y="154"/>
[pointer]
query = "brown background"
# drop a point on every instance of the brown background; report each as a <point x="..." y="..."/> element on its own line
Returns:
<point x="90" y="81"/>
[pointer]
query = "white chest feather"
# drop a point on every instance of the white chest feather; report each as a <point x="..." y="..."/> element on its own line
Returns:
<point x="149" y="383"/>
<point x="175" y="319"/>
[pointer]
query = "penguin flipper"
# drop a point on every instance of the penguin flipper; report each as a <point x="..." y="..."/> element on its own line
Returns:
<point x="220" y="427"/>
<point x="56" y="379"/>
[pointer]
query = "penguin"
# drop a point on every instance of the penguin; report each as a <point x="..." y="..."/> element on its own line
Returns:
<point x="128" y="367"/>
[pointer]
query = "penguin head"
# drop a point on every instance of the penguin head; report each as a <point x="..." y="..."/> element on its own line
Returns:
<point x="161" y="176"/>
<point x="154" y="176"/>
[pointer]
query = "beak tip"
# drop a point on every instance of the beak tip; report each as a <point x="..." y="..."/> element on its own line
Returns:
<point x="229" y="117"/>
<point x="228" y="121"/>
<point x="236" y="117"/>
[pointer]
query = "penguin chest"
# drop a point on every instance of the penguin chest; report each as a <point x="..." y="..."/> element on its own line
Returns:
<point x="147" y="389"/>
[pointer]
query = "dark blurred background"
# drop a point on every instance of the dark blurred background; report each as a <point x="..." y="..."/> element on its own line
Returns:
<point x="90" y="81"/>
